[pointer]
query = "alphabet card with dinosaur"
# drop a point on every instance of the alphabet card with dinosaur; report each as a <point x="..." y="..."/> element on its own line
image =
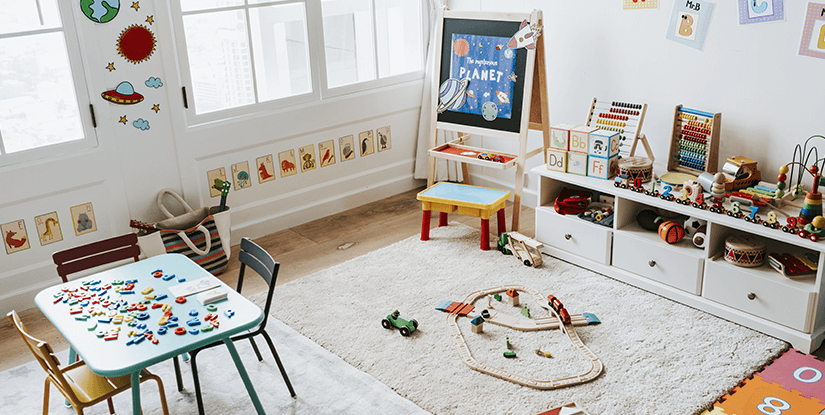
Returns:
<point x="15" y="237"/>
<point x="48" y="228"/>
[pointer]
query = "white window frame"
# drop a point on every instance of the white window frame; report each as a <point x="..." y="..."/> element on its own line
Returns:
<point x="79" y="78"/>
<point x="317" y="64"/>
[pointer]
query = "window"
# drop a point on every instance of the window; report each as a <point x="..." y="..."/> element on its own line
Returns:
<point x="238" y="55"/>
<point x="39" y="106"/>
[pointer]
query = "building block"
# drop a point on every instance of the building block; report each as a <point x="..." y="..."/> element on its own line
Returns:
<point x="755" y="393"/>
<point x="603" y="168"/>
<point x="580" y="138"/>
<point x="604" y="143"/>
<point x="560" y="136"/>
<point x="557" y="160"/>
<point x="797" y="371"/>
<point x="577" y="163"/>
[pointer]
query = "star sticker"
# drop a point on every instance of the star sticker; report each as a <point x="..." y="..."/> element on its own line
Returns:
<point x="150" y="19"/>
<point x="136" y="5"/>
<point x="110" y="66"/>
<point x="156" y="108"/>
<point x="122" y="119"/>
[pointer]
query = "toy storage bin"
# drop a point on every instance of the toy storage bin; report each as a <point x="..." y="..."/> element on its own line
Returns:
<point x="761" y="290"/>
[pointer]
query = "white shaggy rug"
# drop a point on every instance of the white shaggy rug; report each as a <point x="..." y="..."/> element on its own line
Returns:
<point x="660" y="357"/>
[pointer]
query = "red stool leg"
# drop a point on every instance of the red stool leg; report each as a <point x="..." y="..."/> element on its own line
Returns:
<point x="502" y="222"/>
<point x="442" y="218"/>
<point x="425" y="226"/>
<point x="485" y="234"/>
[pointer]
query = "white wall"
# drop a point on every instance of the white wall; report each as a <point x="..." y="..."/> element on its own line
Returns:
<point x="770" y="98"/>
<point x="122" y="176"/>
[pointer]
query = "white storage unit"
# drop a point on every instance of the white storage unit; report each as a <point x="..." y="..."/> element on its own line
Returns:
<point x="759" y="297"/>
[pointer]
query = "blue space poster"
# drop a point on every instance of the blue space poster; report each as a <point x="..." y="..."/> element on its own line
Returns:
<point x="490" y="66"/>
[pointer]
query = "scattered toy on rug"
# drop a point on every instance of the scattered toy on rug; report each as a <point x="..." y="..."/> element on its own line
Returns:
<point x="405" y="327"/>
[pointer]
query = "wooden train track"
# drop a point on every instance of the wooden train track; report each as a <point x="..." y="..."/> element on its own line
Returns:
<point x="596" y="365"/>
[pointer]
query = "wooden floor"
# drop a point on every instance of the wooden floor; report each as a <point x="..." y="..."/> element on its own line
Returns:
<point x="301" y="250"/>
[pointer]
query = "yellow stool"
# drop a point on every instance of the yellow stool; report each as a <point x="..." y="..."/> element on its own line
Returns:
<point x="474" y="201"/>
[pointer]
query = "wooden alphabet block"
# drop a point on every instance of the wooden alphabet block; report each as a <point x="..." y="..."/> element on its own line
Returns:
<point x="577" y="163"/>
<point x="603" y="168"/>
<point x="557" y="160"/>
<point x="560" y="136"/>
<point x="580" y="137"/>
<point x="604" y="143"/>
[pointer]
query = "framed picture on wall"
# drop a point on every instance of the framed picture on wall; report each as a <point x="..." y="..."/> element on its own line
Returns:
<point x="813" y="33"/>
<point x="218" y="174"/>
<point x="347" y="145"/>
<point x="15" y="237"/>
<point x="689" y="22"/>
<point x="240" y="175"/>
<point x="326" y="151"/>
<point x="83" y="218"/>
<point x="760" y="11"/>
<point x="384" y="138"/>
<point x="266" y="168"/>
<point x="48" y="228"/>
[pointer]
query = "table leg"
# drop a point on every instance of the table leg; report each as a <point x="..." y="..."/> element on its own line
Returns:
<point x="425" y="226"/>
<point x="502" y="222"/>
<point x="136" y="393"/>
<point x="248" y="383"/>
<point x="485" y="234"/>
<point x="72" y="358"/>
<point x="442" y="219"/>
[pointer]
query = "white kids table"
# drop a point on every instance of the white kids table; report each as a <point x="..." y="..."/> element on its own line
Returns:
<point x="116" y="357"/>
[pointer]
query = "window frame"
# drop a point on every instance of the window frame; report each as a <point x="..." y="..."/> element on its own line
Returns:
<point x="317" y="64"/>
<point x="82" y="88"/>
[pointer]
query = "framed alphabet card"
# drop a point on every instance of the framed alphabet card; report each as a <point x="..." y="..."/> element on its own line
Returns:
<point x="367" y="143"/>
<point x="212" y="175"/>
<point x="640" y="4"/>
<point x="760" y="11"/>
<point x="266" y="168"/>
<point x="286" y="159"/>
<point x="83" y="219"/>
<point x="326" y="150"/>
<point x="15" y="237"/>
<point x="48" y="228"/>
<point x="689" y="22"/>
<point x="307" y="157"/>
<point x="384" y="138"/>
<point x="240" y="175"/>
<point x="347" y="146"/>
<point x="813" y="33"/>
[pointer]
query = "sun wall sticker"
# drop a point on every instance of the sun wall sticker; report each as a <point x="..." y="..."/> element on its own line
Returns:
<point x="100" y="11"/>
<point x="136" y="43"/>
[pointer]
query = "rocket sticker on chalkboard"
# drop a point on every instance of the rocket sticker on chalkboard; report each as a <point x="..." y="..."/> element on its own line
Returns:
<point x="486" y="66"/>
<point x="525" y="37"/>
<point x="286" y="159"/>
<point x="266" y="168"/>
<point x="15" y="237"/>
<point x="347" y="146"/>
<point x="48" y="228"/>
<point x="326" y="151"/>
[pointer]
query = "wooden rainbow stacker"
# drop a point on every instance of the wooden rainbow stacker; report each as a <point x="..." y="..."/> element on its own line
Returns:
<point x="474" y="201"/>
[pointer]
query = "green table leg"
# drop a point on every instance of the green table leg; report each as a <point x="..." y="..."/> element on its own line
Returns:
<point x="248" y="383"/>
<point x="136" y="393"/>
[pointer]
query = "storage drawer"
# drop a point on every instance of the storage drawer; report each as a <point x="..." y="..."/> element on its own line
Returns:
<point x="574" y="235"/>
<point x="747" y="291"/>
<point x="674" y="266"/>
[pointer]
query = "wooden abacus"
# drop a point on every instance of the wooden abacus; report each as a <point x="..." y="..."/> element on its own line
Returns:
<point x="624" y="118"/>
<point x="694" y="144"/>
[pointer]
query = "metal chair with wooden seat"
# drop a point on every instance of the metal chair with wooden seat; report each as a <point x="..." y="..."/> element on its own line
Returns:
<point x="96" y="254"/>
<point x="78" y="384"/>
<point x="255" y="257"/>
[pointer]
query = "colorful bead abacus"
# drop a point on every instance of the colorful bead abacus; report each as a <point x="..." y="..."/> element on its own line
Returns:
<point x="621" y="117"/>
<point x="695" y="142"/>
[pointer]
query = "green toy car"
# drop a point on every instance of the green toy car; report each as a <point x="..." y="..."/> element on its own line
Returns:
<point x="406" y="327"/>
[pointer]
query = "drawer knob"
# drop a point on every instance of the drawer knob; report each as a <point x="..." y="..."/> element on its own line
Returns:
<point x="567" y="236"/>
<point x="751" y="296"/>
<point x="652" y="263"/>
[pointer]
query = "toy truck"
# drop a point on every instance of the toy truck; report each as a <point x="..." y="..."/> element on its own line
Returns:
<point x="524" y="248"/>
<point x="406" y="327"/>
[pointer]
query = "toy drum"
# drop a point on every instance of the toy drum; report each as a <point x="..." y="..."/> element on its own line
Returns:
<point x="744" y="251"/>
<point x="636" y="167"/>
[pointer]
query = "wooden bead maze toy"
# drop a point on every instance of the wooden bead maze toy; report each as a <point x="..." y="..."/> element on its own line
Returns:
<point x="624" y="118"/>
<point x="810" y="214"/>
<point x="694" y="145"/>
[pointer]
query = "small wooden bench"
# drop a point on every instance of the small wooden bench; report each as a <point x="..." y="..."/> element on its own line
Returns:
<point x="474" y="201"/>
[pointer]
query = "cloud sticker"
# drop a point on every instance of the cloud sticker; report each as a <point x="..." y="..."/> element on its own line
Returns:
<point x="141" y="124"/>
<point x="154" y="82"/>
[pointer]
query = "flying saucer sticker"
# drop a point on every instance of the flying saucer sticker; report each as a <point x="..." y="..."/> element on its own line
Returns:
<point x="48" y="228"/>
<point x="481" y="62"/>
<point x="286" y="160"/>
<point x="124" y="94"/>
<point x="136" y="43"/>
<point x="212" y="175"/>
<point x="240" y="175"/>
<point x="100" y="11"/>
<point x="384" y="139"/>
<point x="326" y="150"/>
<point x="266" y="169"/>
<point x="306" y="155"/>
<point x="366" y="143"/>
<point x="15" y="237"/>
<point x="83" y="218"/>
<point x="347" y="146"/>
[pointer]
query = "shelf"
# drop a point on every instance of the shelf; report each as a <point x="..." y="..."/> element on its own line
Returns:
<point x="685" y="246"/>
<point x="765" y="271"/>
<point x="454" y="152"/>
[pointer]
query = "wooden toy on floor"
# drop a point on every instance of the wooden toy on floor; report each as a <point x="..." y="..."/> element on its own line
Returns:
<point x="404" y="326"/>
<point x="524" y="248"/>
<point x="474" y="201"/>
<point x="694" y="142"/>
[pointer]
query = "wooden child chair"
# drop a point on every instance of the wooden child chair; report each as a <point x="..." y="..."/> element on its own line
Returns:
<point x="79" y="385"/>
<point x="260" y="261"/>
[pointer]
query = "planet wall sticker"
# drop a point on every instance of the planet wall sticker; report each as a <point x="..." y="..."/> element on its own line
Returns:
<point x="100" y="11"/>
<point x="124" y="94"/>
<point x="136" y="43"/>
